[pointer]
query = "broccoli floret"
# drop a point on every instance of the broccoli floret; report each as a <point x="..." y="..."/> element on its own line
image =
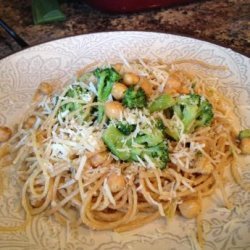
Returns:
<point x="172" y="130"/>
<point x="106" y="79"/>
<point x="114" y="140"/>
<point x="160" y="125"/>
<point x="244" y="134"/>
<point x="135" y="98"/>
<point x="161" y="103"/>
<point x="194" y="111"/>
<point x="244" y="137"/>
<point x="75" y="92"/>
<point x="126" y="128"/>
<point x="145" y="146"/>
<point x="158" y="155"/>
<point x="150" y="137"/>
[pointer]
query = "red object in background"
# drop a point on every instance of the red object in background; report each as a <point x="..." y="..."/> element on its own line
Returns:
<point x="121" y="6"/>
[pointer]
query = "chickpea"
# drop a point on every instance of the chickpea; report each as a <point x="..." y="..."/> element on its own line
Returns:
<point x="4" y="150"/>
<point x="37" y="97"/>
<point x="41" y="136"/>
<point x="190" y="208"/>
<point x="29" y="123"/>
<point x="174" y="83"/>
<point x="113" y="110"/>
<point x="117" y="67"/>
<point x="184" y="90"/>
<point x="5" y="134"/>
<point x="116" y="182"/>
<point x="175" y="86"/>
<point x="6" y="160"/>
<point x="36" y="203"/>
<point x="130" y="79"/>
<point x="101" y="146"/>
<point x="98" y="159"/>
<point x="204" y="165"/>
<point x="169" y="91"/>
<point x="118" y="90"/>
<point x="45" y="88"/>
<point x="146" y="86"/>
<point x="245" y="146"/>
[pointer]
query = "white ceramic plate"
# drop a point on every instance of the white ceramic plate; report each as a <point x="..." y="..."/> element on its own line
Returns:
<point x="57" y="61"/>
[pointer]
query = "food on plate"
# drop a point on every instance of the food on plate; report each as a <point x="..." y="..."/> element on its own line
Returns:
<point x="5" y="134"/>
<point x="244" y="137"/>
<point x="124" y="144"/>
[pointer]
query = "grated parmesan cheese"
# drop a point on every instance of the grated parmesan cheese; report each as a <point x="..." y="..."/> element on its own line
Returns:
<point x="108" y="193"/>
<point x="80" y="168"/>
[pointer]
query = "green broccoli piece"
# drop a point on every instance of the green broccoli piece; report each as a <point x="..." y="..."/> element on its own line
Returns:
<point x="172" y="130"/>
<point x="146" y="145"/>
<point x="158" y="155"/>
<point x="126" y="128"/>
<point x="244" y="134"/>
<point x="161" y="103"/>
<point x="134" y="98"/>
<point x="194" y="111"/>
<point x="106" y="79"/>
<point x="75" y="92"/>
<point x="116" y="142"/>
<point x="160" y="125"/>
<point x="150" y="137"/>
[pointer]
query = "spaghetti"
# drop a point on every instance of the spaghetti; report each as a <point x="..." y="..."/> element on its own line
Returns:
<point x="68" y="171"/>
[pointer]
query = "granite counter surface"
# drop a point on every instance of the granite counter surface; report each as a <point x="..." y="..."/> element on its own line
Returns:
<point x="224" y="22"/>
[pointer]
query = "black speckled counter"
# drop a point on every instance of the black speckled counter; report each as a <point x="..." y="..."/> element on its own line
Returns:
<point x="224" y="22"/>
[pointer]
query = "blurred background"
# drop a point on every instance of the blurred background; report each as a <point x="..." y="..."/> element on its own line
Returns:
<point x="224" y="22"/>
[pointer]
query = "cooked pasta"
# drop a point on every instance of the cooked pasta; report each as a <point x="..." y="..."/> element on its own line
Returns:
<point x="125" y="144"/>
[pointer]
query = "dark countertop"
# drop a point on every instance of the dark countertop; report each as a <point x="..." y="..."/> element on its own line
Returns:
<point x="224" y="22"/>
